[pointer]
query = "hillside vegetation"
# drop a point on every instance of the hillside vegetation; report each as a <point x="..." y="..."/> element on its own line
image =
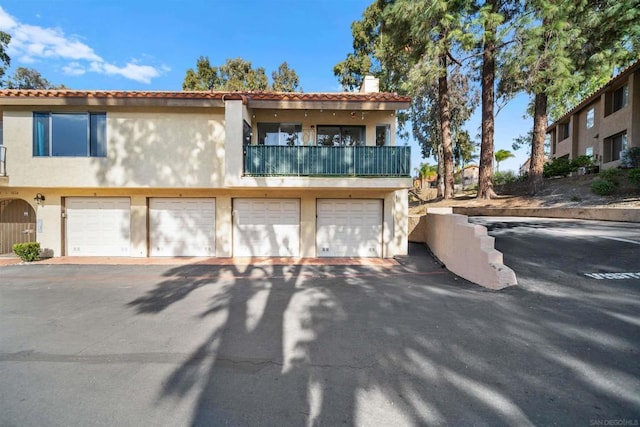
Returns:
<point x="573" y="191"/>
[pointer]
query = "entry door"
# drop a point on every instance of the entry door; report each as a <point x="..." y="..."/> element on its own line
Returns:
<point x="266" y="227"/>
<point x="349" y="228"/>
<point x="17" y="224"/>
<point x="98" y="226"/>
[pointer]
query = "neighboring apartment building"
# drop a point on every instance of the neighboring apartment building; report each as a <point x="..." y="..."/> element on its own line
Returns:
<point x="525" y="167"/>
<point x="108" y="173"/>
<point x="604" y="124"/>
<point x="470" y="175"/>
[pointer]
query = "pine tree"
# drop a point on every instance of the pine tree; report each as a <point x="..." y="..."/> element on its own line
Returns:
<point x="565" y="50"/>
<point x="492" y="16"/>
<point x="411" y="46"/>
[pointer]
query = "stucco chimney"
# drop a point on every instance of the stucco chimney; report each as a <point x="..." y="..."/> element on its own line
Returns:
<point x="370" y="84"/>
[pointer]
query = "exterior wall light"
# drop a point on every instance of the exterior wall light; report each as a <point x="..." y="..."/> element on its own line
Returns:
<point x="39" y="198"/>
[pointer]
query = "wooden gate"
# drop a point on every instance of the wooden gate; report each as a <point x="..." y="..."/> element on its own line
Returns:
<point x="17" y="224"/>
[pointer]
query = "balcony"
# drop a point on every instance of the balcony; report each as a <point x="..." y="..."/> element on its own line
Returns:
<point x="359" y="161"/>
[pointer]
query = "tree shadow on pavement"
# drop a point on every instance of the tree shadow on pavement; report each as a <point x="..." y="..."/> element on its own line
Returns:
<point x="406" y="345"/>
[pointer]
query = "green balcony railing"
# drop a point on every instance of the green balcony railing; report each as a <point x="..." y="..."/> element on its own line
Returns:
<point x="360" y="161"/>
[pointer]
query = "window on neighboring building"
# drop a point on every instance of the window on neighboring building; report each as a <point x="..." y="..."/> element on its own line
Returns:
<point x="279" y="133"/>
<point x="383" y="135"/>
<point x="620" y="97"/>
<point x="70" y="134"/>
<point x="340" y="135"/>
<point x="613" y="147"/>
<point x="590" y="117"/>
<point x="563" y="131"/>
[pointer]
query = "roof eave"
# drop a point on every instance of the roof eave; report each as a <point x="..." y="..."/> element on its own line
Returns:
<point x="591" y="98"/>
<point x="329" y="105"/>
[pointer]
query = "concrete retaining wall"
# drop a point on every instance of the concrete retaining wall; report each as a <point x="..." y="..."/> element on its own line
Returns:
<point x="465" y="249"/>
<point x="469" y="252"/>
<point x="602" y="214"/>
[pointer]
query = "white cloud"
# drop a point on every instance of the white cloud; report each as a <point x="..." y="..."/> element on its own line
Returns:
<point x="74" y="69"/>
<point x="6" y="21"/>
<point x="30" y="43"/>
<point x="34" y="41"/>
<point x="133" y="71"/>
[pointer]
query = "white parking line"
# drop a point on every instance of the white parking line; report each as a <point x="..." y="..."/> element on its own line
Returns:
<point x="619" y="239"/>
<point x="600" y="276"/>
<point x="587" y="233"/>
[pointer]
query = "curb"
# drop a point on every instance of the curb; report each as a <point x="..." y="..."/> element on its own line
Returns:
<point x="599" y="214"/>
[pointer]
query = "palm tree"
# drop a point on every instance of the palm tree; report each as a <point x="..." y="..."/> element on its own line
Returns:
<point x="426" y="172"/>
<point x="502" y="155"/>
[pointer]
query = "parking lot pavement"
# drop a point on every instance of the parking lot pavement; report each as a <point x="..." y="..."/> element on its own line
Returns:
<point x="563" y="254"/>
<point x="403" y="344"/>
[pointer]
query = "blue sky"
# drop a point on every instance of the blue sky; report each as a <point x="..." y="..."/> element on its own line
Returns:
<point x="149" y="45"/>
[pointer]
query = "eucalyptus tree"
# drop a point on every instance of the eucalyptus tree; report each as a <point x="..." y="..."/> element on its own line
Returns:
<point x="5" y="61"/>
<point x="285" y="79"/>
<point x="29" y="78"/>
<point x="464" y="149"/>
<point x="238" y="74"/>
<point x="425" y="120"/>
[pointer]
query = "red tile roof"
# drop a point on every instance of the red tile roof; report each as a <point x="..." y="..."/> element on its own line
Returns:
<point x="257" y="96"/>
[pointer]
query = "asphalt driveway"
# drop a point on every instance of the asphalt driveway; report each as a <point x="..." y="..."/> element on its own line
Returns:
<point x="409" y="344"/>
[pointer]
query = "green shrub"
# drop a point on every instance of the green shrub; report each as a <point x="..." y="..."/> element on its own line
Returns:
<point x="582" y="162"/>
<point x="560" y="166"/>
<point x="602" y="187"/>
<point x="612" y="175"/>
<point x="634" y="176"/>
<point x="507" y="177"/>
<point x="27" y="252"/>
<point x="631" y="158"/>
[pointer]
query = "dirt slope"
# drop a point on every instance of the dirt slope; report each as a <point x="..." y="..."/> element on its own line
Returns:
<point x="560" y="192"/>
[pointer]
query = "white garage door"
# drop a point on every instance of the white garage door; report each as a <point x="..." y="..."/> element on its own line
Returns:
<point x="182" y="227"/>
<point x="98" y="226"/>
<point x="349" y="228"/>
<point x="266" y="227"/>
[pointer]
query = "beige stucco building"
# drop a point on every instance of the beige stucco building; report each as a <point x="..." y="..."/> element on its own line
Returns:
<point x="108" y="173"/>
<point x="604" y="124"/>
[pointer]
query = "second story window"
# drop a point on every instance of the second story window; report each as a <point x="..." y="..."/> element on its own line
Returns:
<point x="335" y="136"/>
<point x="590" y="117"/>
<point x="563" y="131"/>
<point x="616" y="99"/>
<point x="69" y="134"/>
<point x="279" y="134"/>
<point x="620" y="97"/>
